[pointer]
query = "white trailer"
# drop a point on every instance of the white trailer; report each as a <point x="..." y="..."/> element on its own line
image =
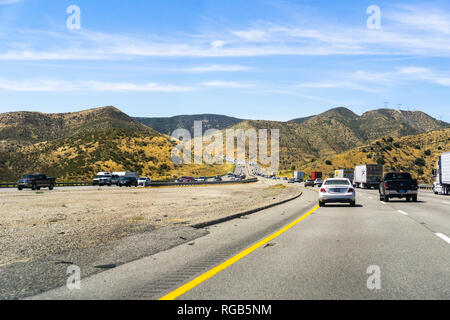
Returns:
<point x="368" y="176"/>
<point x="442" y="183"/>
<point x="299" y="176"/>
<point x="345" y="174"/>
<point x="126" y="174"/>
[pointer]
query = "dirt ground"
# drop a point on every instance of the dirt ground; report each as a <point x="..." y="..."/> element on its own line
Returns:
<point x="35" y="224"/>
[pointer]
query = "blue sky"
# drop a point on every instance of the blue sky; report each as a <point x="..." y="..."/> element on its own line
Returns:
<point x="256" y="59"/>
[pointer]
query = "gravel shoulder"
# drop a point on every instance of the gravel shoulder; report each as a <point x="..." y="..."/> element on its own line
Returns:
<point x="38" y="224"/>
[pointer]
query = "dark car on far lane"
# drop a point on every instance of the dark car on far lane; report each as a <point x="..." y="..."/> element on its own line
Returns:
<point x="128" y="182"/>
<point x="309" y="183"/>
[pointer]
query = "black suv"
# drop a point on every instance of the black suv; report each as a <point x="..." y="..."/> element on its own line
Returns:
<point x="127" y="182"/>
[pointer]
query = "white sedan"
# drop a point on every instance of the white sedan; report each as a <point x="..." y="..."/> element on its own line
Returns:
<point x="337" y="191"/>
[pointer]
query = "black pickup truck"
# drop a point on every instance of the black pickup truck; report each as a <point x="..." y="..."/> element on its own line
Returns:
<point x="36" y="182"/>
<point x="398" y="185"/>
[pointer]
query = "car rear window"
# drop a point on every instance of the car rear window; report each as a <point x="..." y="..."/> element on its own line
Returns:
<point x="336" y="182"/>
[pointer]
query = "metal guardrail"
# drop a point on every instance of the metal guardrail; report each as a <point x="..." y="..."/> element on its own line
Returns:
<point x="8" y="185"/>
<point x="58" y="184"/>
<point x="195" y="183"/>
<point x="154" y="184"/>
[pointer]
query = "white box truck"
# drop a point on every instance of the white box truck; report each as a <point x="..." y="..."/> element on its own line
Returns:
<point x="345" y="174"/>
<point x="442" y="174"/>
<point x="299" y="176"/>
<point x="368" y="176"/>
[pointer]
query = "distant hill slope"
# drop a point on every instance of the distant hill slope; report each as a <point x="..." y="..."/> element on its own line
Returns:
<point x="33" y="127"/>
<point x="415" y="153"/>
<point x="77" y="145"/>
<point x="169" y="125"/>
<point x="339" y="130"/>
<point x="80" y="157"/>
<point x="107" y="139"/>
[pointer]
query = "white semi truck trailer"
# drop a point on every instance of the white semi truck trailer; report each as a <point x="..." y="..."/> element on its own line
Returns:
<point x="368" y="176"/>
<point x="299" y="176"/>
<point x="442" y="174"/>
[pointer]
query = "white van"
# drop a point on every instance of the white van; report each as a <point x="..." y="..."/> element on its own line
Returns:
<point x="102" y="178"/>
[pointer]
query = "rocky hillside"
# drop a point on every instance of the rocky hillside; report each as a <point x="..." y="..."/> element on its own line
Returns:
<point x="339" y="130"/>
<point x="32" y="127"/>
<point x="80" y="157"/>
<point x="415" y="153"/>
<point x="168" y="125"/>
<point x="75" y="146"/>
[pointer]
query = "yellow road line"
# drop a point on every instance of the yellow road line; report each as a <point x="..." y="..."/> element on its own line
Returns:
<point x="209" y="274"/>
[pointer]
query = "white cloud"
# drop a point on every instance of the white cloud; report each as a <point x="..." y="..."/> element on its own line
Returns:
<point x="348" y="84"/>
<point x="404" y="75"/>
<point x="251" y="35"/>
<point x="228" y="84"/>
<point x="408" y="30"/>
<point x="217" y="44"/>
<point x="426" y="74"/>
<point x="217" y="68"/>
<point x="42" y="85"/>
<point x="422" y="18"/>
<point x="318" y="85"/>
<point x="5" y="2"/>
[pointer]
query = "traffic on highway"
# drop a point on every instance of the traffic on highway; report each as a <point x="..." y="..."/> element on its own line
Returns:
<point x="224" y="158"/>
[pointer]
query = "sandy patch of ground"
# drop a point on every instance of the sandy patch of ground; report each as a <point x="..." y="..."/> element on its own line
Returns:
<point x="35" y="224"/>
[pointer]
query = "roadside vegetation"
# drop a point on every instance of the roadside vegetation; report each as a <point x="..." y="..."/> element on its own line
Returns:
<point x="416" y="154"/>
<point x="80" y="157"/>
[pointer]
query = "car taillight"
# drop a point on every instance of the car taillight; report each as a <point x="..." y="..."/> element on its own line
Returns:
<point x="351" y="190"/>
<point x="386" y="185"/>
<point x="323" y="190"/>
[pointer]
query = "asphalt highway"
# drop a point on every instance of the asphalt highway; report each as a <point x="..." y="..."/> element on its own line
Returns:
<point x="376" y="250"/>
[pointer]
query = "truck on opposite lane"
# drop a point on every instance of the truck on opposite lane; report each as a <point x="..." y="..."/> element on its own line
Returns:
<point x="36" y="182"/>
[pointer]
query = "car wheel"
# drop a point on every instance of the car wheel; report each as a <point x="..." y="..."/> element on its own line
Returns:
<point x="33" y="187"/>
<point x="51" y="187"/>
<point x="352" y="204"/>
<point x="19" y="188"/>
<point x="408" y="199"/>
<point x="414" y="198"/>
<point x="321" y="204"/>
<point x="386" y="198"/>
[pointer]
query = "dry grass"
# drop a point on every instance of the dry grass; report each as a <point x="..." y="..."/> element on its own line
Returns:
<point x="34" y="225"/>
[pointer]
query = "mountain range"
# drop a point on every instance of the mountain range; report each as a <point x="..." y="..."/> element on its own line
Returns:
<point x="77" y="145"/>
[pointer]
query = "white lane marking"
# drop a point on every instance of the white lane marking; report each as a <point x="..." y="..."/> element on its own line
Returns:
<point x="443" y="237"/>
<point x="403" y="212"/>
